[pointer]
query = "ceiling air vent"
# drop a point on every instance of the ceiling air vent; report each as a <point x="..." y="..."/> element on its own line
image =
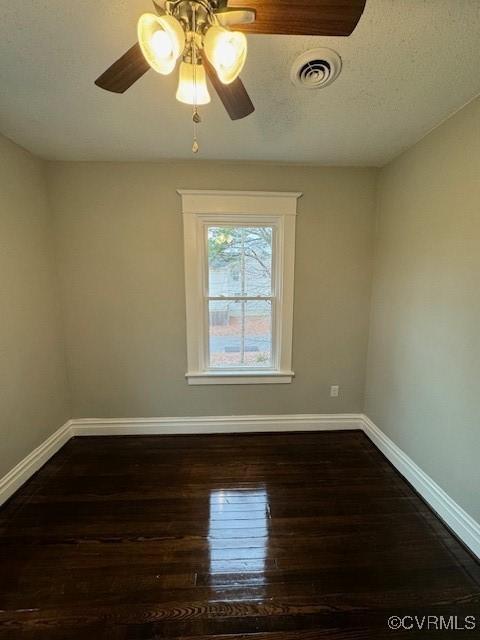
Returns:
<point x="316" y="68"/>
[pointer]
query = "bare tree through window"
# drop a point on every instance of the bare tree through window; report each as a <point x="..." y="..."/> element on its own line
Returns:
<point x="240" y="296"/>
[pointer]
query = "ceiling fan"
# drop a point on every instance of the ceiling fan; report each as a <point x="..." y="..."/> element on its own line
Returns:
<point x="198" y="32"/>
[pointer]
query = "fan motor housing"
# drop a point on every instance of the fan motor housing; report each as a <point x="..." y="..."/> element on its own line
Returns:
<point x="316" y="68"/>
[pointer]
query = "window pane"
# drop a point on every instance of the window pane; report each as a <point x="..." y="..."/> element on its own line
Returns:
<point x="240" y="261"/>
<point x="240" y="333"/>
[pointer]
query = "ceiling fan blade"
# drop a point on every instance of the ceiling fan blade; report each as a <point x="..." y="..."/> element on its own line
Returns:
<point x="234" y="96"/>
<point x="124" y="72"/>
<point x="229" y="17"/>
<point x="303" y="17"/>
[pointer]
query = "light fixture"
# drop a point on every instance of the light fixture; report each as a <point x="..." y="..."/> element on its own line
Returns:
<point x="195" y="32"/>
<point x="192" y="84"/>
<point x="227" y="51"/>
<point x="162" y="40"/>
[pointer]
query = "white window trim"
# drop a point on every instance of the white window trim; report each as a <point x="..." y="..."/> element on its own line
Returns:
<point x="200" y="207"/>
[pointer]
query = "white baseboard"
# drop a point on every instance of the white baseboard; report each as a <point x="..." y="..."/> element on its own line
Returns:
<point x="215" y="424"/>
<point x="464" y="526"/>
<point x="25" y="469"/>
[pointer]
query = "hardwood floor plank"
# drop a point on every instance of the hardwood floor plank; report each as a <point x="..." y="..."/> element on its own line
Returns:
<point x="253" y="537"/>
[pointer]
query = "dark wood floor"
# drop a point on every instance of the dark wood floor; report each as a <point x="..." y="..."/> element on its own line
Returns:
<point x="261" y="537"/>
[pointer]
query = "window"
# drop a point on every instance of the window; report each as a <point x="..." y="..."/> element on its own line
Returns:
<point x="240" y="294"/>
<point x="239" y="261"/>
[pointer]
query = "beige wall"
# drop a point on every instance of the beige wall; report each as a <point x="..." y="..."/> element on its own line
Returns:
<point x="423" y="380"/>
<point x="33" y="393"/>
<point x="119" y="234"/>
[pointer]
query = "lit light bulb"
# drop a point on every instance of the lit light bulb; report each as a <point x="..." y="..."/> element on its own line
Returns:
<point x="161" y="44"/>
<point x="192" y="84"/>
<point x="227" y="52"/>
<point x="162" y="41"/>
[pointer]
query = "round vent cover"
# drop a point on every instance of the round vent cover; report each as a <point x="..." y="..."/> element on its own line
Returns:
<point x="316" y="68"/>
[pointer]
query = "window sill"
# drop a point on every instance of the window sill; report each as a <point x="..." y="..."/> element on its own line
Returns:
<point x="240" y="377"/>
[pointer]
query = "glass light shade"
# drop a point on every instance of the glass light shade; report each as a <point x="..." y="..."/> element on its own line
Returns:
<point x="192" y="84"/>
<point x="162" y="41"/>
<point x="227" y="51"/>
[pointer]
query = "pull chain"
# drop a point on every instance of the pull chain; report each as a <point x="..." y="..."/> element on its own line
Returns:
<point x="196" y="120"/>
<point x="196" y="117"/>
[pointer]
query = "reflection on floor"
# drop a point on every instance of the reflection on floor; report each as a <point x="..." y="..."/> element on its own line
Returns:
<point x="233" y="547"/>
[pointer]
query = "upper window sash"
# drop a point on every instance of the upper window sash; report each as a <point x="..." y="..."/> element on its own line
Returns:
<point x="227" y="223"/>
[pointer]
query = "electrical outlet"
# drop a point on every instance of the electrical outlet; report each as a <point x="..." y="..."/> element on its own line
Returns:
<point x="334" y="391"/>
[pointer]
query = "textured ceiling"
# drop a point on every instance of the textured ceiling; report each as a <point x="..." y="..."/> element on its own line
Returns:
<point x="408" y="65"/>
